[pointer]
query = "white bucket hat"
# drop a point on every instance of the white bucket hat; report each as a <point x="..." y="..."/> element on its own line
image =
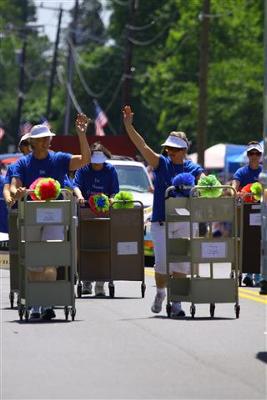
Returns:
<point x="24" y="137"/>
<point x="40" y="131"/>
<point x="174" y="141"/>
<point x="98" y="157"/>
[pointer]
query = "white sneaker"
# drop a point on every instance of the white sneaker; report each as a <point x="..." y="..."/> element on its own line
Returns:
<point x="157" y="304"/>
<point x="176" y="310"/>
<point x="87" y="287"/>
<point x="99" y="289"/>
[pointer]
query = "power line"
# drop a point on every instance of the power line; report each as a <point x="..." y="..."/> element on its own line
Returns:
<point x="88" y="90"/>
<point x="69" y="89"/>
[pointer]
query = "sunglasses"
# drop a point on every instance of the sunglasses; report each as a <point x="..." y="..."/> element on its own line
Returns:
<point x="168" y="148"/>
<point x="254" y="153"/>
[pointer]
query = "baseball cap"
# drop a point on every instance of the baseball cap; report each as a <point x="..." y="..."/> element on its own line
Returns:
<point x="255" y="146"/>
<point x="40" y="131"/>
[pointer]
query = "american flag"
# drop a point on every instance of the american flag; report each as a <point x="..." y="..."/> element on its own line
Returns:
<point x="2" y="133"/>
<point x="101" y="120"/>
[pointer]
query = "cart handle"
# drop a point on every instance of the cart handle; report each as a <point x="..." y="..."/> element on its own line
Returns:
<point x="194" y="190"/>
<point x="127" y="201"/>
<point x="29" y="191"/>
<point x="176" y="189"/>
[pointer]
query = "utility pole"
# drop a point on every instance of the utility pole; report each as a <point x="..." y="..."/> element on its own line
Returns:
<point x="22" y="61"/>
<point x="203" y="83"/>
<point x="54" y="66"/>
<point x="127" y="72"/>
<point x="263" y="175"/>
<point x="70" y="67"/>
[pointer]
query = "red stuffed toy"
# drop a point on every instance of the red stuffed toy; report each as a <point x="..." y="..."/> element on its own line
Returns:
<point x="247" y="194"/>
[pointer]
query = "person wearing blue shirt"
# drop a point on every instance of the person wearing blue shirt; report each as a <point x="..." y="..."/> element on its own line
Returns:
<point x="249" y="174"/>
<point x="44" y="163"/>
<point x="3" y="208"/>
<point x="96" y="177"/>
<point x="167" y="165"/>
<point x="25" y="148"/>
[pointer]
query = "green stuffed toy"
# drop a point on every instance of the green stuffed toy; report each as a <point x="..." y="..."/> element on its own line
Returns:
<point x="212" y="183"/>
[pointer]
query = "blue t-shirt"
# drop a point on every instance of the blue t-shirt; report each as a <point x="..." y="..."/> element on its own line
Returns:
<point x="90" y="181"/>
<point x="247" y="175"/>
<point x="55" y="165"/>
<point x="3" y="208"/>
<point x="163" y="177"/>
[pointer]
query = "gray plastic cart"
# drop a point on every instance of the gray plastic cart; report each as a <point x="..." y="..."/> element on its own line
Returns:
<point x="38" y="248"/>
<point x="111" y="248"/>
<point x="13" y="256"/>
<point x="197" y="249"/>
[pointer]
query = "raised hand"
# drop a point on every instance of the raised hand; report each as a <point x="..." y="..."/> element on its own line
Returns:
<point x="81" y="123"/>
<point x="127" y="115"/>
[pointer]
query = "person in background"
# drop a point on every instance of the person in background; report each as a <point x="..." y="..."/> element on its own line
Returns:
<point x="45" y="163"/>
<point x="25" y="148"/>
<point x="249" y="174"/>
<point x="96" y="177"/>
<point x="166" y="166"/>
<point x="3" y="206"/>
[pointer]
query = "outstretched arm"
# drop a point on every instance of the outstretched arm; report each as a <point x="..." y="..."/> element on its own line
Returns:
<point x="78" y="161"/>
<point x="149" y="155"/>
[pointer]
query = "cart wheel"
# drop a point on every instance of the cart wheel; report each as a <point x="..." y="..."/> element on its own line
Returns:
<point x="79" y="290"/>
<point x="237" y="310"/>
<point x="26" y="314"/>
<point x="21" y="312"/>
<point x="66" y="312"/>
<point x="111" y="289"/>
<point x="192" y="310"/>
<point x="143" y="289"/>
<point x="212" y="309"/>
<point x="11" y="298"/>
<point x="240" y="280"/>
<point x="168" y="310"/>
<point x="73" y="313"/>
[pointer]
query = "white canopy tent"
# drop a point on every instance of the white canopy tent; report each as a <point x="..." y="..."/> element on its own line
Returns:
<point x="217" y="156"/>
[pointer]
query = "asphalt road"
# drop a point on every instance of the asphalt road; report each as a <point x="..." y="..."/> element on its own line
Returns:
<point x="117" y="349"/>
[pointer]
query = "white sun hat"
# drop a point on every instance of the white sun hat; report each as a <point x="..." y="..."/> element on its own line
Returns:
<point x="98" y="157"/>
<point x="24" y="137"/>
<point x="40" y="131"/>
<point x="174" y="141"/>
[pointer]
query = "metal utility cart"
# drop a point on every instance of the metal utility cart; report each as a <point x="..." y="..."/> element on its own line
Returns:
<point x="13" y="256"/>
<point x="250" y="238"/>
<point x="47" y="237"/>
<point x="112" y="247"/>
<point x="197" y="249"/>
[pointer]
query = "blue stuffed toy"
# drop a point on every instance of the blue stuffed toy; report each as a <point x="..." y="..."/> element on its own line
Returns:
<point x="183" y="183"/>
